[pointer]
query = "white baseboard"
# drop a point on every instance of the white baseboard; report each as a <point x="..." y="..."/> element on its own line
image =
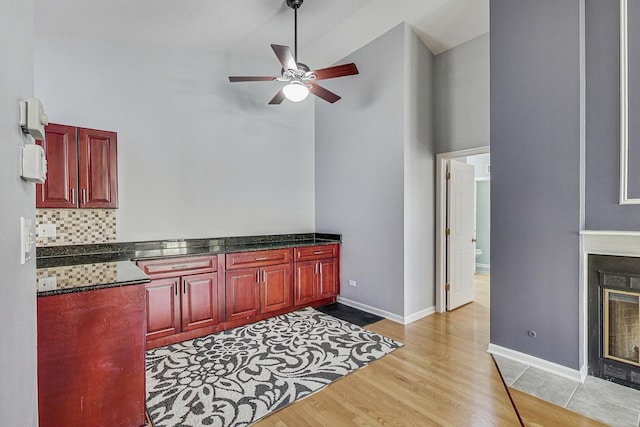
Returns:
<point x="405" y="320"/>
<point x="536" y="362"/>
<point x="419" y="315"/>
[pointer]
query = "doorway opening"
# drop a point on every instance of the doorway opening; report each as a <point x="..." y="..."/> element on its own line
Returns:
<point x="462" y="228"/>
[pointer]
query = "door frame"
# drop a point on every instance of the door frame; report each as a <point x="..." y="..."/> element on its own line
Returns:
<point x="441" y="218"/>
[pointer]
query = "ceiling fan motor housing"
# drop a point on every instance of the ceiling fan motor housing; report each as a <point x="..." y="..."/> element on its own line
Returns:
<point x="294" y="4"/>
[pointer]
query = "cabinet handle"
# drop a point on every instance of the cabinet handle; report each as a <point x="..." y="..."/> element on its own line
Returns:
<point x="182" y="266"/>
<point x="316" y="268"/>
<point x="84" y="196"/>
<point x="320" y="268"/>
<point x="73" y="196"/>
<point x="263" y="258"/>
<point x="264" y="276"/>
<point x="318" y="252"/>
<point x="258" y="276"/>
<point x="176" y="288"/>
<point x="184" y="286"/>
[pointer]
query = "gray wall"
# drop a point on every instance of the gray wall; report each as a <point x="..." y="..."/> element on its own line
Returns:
<point x="535" y="218"/>
<point x="373" y="148"/>
<point x="603" y="129"/>
<point x="360" y="173"/>
<point x="18" y="387"/>
<point x="462" y="96"/>
<point x="483" y="221"/>
<point x="197" y="155"/>
<point x="419" y="196"/>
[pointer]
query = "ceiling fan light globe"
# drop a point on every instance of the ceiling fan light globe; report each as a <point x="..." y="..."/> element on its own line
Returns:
<point x="295" y="92"/>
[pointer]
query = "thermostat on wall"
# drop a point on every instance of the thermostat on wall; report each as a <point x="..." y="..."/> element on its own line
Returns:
<point x="34" y="163"/>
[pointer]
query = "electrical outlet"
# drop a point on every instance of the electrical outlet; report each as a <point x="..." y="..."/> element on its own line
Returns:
<point x="47" y="283"/>
<point x="352" y="283"/>
<point x="46" y="230"/>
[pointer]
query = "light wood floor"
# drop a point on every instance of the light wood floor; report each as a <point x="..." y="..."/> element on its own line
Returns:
<point x="442" y="376"/>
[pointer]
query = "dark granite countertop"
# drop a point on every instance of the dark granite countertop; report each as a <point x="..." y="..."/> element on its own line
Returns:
<point x="95" y="266"/>
<point x="87" y="277"/>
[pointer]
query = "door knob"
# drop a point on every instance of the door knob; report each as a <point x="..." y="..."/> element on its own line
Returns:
<point x="473" y="240"/>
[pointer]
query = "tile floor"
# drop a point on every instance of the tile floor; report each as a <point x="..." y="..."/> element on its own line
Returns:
<point x="598" y="399"/>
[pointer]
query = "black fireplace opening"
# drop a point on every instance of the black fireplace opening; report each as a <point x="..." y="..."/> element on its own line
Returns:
<point x="614" y="318"/>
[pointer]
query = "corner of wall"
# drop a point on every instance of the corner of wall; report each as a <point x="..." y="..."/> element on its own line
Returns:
<point x="419" y="176"/>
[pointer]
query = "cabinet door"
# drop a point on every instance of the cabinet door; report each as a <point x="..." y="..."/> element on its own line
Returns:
<point x="305" y="282"/>
<point x="199" y="301"/>
<point x="61" y="150"/>
<point x="163" y="307"/>
<point x="243" y="294"/>
<point x="275" y="287"/>
<point x="98" y="169"/>
<point x="328" y="279"/>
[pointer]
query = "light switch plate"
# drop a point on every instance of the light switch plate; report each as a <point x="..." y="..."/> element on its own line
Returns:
<point x="27" y="239"/>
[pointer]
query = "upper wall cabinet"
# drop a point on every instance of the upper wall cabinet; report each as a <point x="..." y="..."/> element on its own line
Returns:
<point x="82" y="170"/>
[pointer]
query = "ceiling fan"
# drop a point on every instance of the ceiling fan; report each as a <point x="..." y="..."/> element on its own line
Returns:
<point x="301" y="80"/>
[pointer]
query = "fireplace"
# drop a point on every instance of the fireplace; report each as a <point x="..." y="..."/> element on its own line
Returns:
<point x="614" y="318"/>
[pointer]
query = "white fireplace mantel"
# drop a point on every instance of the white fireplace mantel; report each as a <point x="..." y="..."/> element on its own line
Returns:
<point x="611" y="242"/>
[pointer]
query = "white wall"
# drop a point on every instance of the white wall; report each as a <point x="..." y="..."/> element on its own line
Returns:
<point x="480" y="163"/>
<point x="18" y="384"/>
<point x="198" y="156"/>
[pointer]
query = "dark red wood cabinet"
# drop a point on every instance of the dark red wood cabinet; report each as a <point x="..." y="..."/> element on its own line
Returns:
<point x="258" y="282"/>
<point x="91" y="358"/>
<point x="184" y="299"/>
<point x="82" y="169"/>
<point x="162" y="302"/>
<point x="316" y="273"/>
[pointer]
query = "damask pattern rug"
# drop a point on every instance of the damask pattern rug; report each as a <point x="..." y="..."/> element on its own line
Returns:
<point x="238" y="376"/>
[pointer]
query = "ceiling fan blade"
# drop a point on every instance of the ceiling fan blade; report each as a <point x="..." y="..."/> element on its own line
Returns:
<point x="251" y="79"/>
<point x="285" y="56"/>
<point x="337" y="71"/>
<point x="278" y="98"/>
<point x="323" y="93"/>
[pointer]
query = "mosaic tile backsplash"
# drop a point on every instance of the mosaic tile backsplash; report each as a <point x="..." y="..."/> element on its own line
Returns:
<point x="87" y="274"/>
<point x="77" y="226"/>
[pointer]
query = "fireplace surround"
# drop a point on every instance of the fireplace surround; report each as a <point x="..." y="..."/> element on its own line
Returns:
<point x="614" y="318"/>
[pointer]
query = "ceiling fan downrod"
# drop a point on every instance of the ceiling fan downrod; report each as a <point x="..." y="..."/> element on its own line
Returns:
<point x="295" y="4"/>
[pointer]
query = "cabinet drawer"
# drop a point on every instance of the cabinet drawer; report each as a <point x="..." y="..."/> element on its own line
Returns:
<point x="258" y="258"/>
<point x="306" y="253"/>
<point x="178" y="266"/>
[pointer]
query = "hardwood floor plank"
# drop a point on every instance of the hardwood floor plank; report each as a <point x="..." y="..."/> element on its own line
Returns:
<point x="443" y="376"/>
<point x="537" y="412"/>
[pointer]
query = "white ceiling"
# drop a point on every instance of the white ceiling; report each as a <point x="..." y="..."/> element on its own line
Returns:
<point x="328" y="30"/>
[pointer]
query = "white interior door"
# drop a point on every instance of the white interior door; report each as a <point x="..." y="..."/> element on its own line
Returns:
<point x="461" y="247"/>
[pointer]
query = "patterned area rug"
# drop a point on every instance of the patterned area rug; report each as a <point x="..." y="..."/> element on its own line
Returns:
<point x="236" y="377"/>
